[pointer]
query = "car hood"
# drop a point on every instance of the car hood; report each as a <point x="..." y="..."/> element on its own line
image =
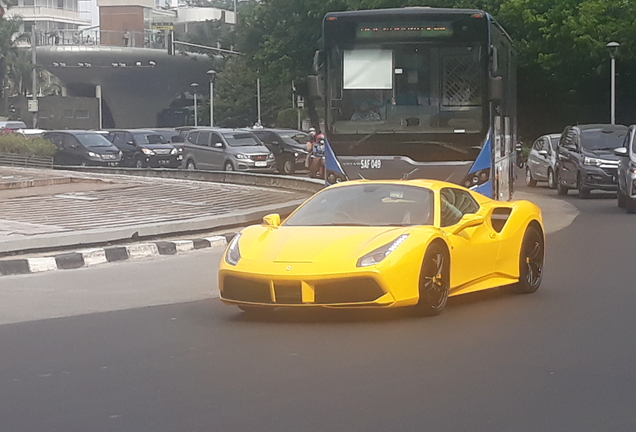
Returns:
<point x="103" y="150"/>
<point x="313" y="244"/>
<point x="157" y="146"/>
<point x="601" y="154"/>
<point x="250" y="149"/>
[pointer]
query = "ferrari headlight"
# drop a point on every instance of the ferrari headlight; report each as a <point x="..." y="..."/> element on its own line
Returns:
<point x="233" y="254"/>
<point x="147" y="152"/>
<point x="380" y="253"/>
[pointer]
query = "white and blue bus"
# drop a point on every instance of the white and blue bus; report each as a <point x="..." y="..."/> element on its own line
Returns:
<point x="419" y="92"/>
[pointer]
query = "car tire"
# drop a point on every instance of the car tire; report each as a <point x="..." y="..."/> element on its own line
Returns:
<point x="139" y="164"/>
<point x="434" y="282"/>
<point x="584" y="192"/>
<point x="529" y="180"/>
<point x="190" y="165"/>
<point x="551" y="179"/>
<point x="288" y="167"/>
<point x="620" y="198"/>
<point x="531" y="258"/>
<point x="228" y="166"/>
<point x="630" y="205"/>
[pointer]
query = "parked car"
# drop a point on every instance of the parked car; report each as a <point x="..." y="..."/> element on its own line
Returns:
<point x="627" y="171"/>
<point x="542" y="160"/>
<point x="586" y="159"/>
<point x="81" y="147"/>
<point x="145" y="148"/>
<point x="289" y="147"/>
<point x="226" y="149"/>
<point x="13" y="125"/>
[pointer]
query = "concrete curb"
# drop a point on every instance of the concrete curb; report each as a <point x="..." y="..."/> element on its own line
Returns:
<point x="96" y="256"/>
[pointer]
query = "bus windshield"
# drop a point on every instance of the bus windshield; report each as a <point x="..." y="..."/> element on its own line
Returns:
<point x="406" y="88"/>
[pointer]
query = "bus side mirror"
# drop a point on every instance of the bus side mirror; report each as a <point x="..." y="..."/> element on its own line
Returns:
<point x="318" y="62"/>
<point x="315" y="84"/>
<point x="494" y="59"/>
<point x="496" y="89"/>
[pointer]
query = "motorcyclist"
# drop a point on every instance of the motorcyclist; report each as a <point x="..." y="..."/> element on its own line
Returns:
<point x="317" y="164"/>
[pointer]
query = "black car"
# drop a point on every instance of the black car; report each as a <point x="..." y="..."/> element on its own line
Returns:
<point x="145" y="148"/>
<point x="586" y="159"/>
<point x="288" y="146"/>
<point x="80" y="147"/>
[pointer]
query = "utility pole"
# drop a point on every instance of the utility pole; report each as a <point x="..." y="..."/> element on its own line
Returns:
<point x="33" y="103"/>
<point x="258" y="98"/>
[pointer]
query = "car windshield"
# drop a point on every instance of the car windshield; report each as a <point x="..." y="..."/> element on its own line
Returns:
<point x="149" y="138"/>
<point x="376" y="204"/>
<point x="93" y="140"/>
<point x="295" y="139"/>
<point x="602" y="139"/>
<point x="237" y="139"/>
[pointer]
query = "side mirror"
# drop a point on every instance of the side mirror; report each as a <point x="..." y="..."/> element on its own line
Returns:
<point x="621" y="151"/>
<point x="218" y="145"/>
<point x="496" y="88"/>
<point x="275" y="142"/>
<point x="131" y="143"/>
<point x="272" y="220"/>
<point x="468" y="221"/>
<point x="543" y="152"/>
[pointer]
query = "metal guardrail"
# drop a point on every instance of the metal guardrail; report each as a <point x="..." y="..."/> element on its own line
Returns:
<point x="23" y="161"/>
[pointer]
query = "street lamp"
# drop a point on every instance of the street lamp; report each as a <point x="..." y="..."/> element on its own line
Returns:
<point x="196" y="114"/>
<point x="613" y="49"/>
<point x="212" y="75"/>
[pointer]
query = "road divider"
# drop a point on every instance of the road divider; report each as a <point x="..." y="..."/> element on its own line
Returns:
<point x="97" y="256"/>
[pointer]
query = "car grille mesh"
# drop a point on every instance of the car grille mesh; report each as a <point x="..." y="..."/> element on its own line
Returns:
<point x="346" y="291"/>
<point x="162" y="151"/>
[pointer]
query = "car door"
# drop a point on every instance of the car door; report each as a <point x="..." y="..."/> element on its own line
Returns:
<point x="122" y="143"/>
<point x="205" y="157"/>
<point x="218" y="151"/>
<point x="535" y="164"/>
<point x="568" y="157"/>
<point x="75" y="151"/>
<point x="60" y="157"/>
<point x="624" y="162"/>
<point x="474" y="250"/>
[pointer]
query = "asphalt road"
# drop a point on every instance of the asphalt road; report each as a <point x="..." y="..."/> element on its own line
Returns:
<point x="561" y="359"/>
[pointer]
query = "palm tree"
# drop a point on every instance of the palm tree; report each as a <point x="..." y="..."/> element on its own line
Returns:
<point x="10" y="53"/>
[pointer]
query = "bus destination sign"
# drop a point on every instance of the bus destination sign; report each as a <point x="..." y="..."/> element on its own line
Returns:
<point x="403" y="30"/>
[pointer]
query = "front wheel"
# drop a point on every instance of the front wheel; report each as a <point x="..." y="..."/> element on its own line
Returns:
<point x="190" y="166"/>
<point x="288" y="167"/>
<point x="529" y="180"/>
<point x="139" y="164"/>
<point x="561" y="188"/>
<point x="228" y="166"/>
<point x="531" y="261"/>
<point x="551" y="180"/>
<point x="434" y="281"/>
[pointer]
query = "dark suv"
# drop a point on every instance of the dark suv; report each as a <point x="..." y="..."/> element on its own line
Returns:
<point x="289" y="147"/>
<point x="586" y="158"/>
<point x="145" y="148"/>
<point x="80" y="147"/>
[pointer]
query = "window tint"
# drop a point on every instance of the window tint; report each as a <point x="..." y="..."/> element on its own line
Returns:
<point x="602" y="139"/>
<point x="238" y="139"/>
<point x="455" y="203"/>
<point x="204" y="138"/>
<point x="149" y="138"/>
<point x="192" y="137"/>
<point x="93" y="140"/>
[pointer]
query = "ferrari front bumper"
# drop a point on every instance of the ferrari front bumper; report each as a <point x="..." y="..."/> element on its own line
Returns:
<point x="359" y="290"/>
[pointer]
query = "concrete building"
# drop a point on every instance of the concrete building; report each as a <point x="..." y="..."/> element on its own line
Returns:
<point x="61" y="18"/>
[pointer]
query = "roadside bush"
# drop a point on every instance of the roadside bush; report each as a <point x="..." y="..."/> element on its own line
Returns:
<point x="16" y="143"/>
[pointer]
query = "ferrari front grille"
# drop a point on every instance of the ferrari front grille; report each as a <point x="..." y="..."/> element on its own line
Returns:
<point x="355" y="290"/>
<point x="246" y="290"/>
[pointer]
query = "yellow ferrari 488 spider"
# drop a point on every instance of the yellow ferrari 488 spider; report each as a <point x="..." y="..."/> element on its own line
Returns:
<point x="385" y="244"/>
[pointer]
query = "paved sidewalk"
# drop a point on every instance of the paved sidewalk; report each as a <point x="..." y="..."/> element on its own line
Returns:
<point x="77" y="208"/>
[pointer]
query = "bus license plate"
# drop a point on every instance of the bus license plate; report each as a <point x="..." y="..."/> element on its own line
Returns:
<point x="260" y="164"/>
<point x="370" y="164"/>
